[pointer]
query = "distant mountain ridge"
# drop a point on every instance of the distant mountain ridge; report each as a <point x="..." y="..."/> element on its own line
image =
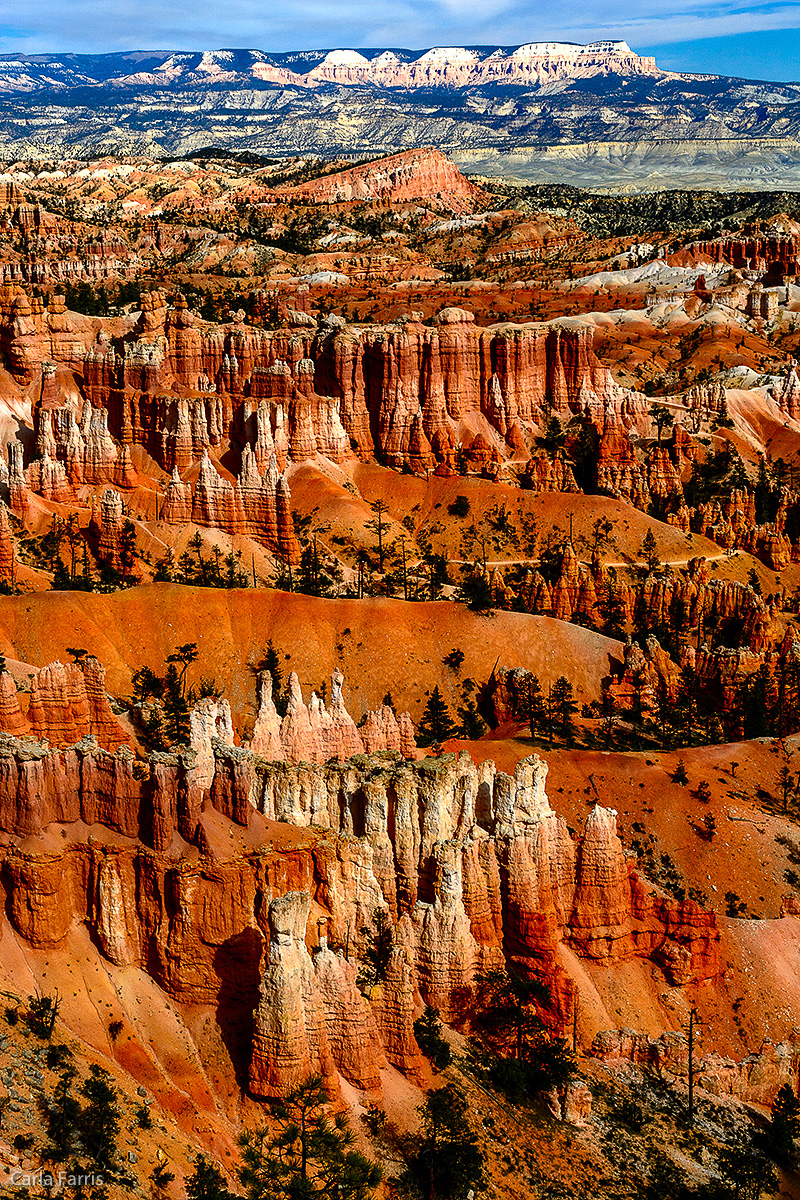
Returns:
<point x="590" y="115"/>
<point x="453" y="66"/>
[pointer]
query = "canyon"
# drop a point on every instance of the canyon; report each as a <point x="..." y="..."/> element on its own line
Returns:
<point x="399" y="591"/>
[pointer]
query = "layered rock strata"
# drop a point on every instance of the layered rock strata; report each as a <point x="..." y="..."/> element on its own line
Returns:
<point x="471" y="866"/>
<point x="408" y="394"/>
<point x="315" y="733"/>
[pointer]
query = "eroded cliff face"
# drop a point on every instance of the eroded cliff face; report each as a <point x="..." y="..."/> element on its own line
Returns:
<point x="471" y="867"/>
<point x="178" y="386"/>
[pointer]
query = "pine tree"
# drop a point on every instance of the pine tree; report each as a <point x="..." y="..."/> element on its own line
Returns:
<point x="127" y="549"/>
<point x="62" y="1116"/>
<point x="506" y="1003"/>
<point x="535" y="705"/>
<point x="436" y="723"/>
<point x="554" y="437"/>
<point x="100" y="1120"/>
<point x="309" y="1155"/>
<point x="185" y="655"/>
<point x="272" y="662"/>
<point x="206" y="1182"/>
<point x="61" y="579"/>
<point x="749" y="1173"/>
<point x="679" y="774"/>
<point x="378" y="525"/>
<point x="784" y="1126"/>
<point x="377" y="951"/>
<point x="649" y="551"/>
<point x="562" y="707"/>
<point x="473" y="725"/>
<point x="448" y="1162"/>
<point x="176" y="710"/>
<point x="662" y="419"/>
<point x="428" y="1032"/>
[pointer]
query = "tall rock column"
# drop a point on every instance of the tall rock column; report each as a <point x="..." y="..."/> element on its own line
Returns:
<point x="290" y="1039"/>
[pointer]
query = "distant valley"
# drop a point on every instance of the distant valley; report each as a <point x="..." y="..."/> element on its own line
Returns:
<point x="596" y="115"/>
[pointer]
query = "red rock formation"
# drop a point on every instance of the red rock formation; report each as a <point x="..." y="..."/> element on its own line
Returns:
<point x="18" y="494"/>
<point x="290" y="1036"/>
<point x="11" y="720"/>
<point x="787" y="396"/>
<point x="177" y="506"/>
<point x="315" y="734"/>
<point x="68" y="704"/>
<point x="430" y="842"/>
<point x="209" y="721"/>
<point x="111" y="522"/>
<point x="406" y="393"/>
<point x="7" y="552"/>
<point x="412" y="175"/>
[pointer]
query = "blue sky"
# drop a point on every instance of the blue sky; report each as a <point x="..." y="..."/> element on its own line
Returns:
<point x="758" y="39"/>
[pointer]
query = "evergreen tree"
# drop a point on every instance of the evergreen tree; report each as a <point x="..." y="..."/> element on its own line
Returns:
<point x="100" y="1122"/>
<point x="62" y="1117"/>
<point x="749" y="1173"/>
<point x="755" y="703"/>
<point x="562" y="707"/>
<point x="554" y="437"/>
<point x="309" y="1155"/>
<point x="146" y="684"/>
<point x="535" y="705"/>
<point x="524" y="1060"/>
<point x="662" y="419"/>
<point x="185" y="655"/>
<point x="473" y="725"/>
<point x="176" y="710"/>
<point x="272" y="662"/>
<point x="448" y="1162"/>
<point x="206" y="1182"/>
<point x="377" y="951"/>
<point x="309" y="579"/>
<point x="196" y="545"/>
<point x="378" y="525"/>
<point x="61" y="579"/>
<point x="127" y="549"/>
<point x="475" y="591"/>
<point x="436" y="723"/>
<point x="612" y="609"/>
<point x="428" y="1032"/>
<point x="42" y="1014"/>
<point x="649" y="551"/>
<point x="507" y="1006"/>
<point x="784" y="1126"/>
<point x="679" y="774"/>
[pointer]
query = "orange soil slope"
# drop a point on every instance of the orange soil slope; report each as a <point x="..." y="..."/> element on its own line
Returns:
<point x="381" y="645"/>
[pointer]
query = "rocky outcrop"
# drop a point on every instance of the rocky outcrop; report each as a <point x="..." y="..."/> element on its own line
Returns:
<point x="108" y="524"/>
<point x="290" y="1036"/>
<point x="406" y="393"/>
<point x="209" y="721"/>
<point x="471" y="866"/>
<point x="7" y="550"/>
<point x="315" y="734"/>
<point x="756" y="1079"/>
<point x="412" y="175"/>
<point x="69" y="703"/>
<point x="311" y="1017"/>
<point x="256" y="505"/>
<point x="11" y="719"/>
